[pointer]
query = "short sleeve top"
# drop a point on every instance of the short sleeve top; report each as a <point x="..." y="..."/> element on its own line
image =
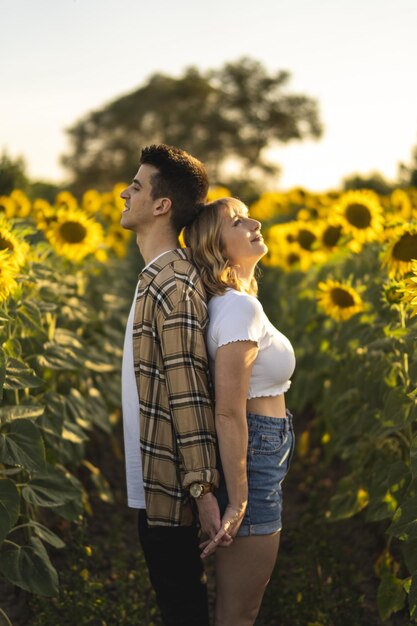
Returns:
<point x="238" y="316"/>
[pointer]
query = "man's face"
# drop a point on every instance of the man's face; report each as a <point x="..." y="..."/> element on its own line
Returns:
<point x="139" y="205"/>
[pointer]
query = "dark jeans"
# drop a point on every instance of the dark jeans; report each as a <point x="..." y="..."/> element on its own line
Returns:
<point x="176" y="572"/>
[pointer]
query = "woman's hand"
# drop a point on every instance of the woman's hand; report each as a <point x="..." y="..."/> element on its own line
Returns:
<point x="230" y="525"/>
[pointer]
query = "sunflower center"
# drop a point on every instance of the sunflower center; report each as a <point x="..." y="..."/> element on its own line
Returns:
<point x="342" y="298"/>
<point x="358" y="215"/>
<point x="72" y="232"/>
<point x="293" y="258"/>
<point x="406" y="248"/>
<point x="5" y="244"/>
<point x="332" y="235"/>
<point x="306" y="238"/>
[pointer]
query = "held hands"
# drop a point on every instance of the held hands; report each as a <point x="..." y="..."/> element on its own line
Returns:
<point x="209" y="515"/>
<point x="230" y="524"/>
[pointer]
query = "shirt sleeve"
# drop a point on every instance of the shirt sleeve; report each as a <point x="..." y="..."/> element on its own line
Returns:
<point x="189" y="391"/>
<point x="240" y="319"/>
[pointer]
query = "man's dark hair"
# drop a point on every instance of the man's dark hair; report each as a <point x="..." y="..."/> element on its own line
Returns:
<point x="180" y="177"/>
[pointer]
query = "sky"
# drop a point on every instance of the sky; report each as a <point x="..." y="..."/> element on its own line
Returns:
<point x="60" y="59"/>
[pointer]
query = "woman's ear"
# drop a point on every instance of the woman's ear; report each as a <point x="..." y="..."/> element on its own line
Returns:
<point x="162" y="206"/>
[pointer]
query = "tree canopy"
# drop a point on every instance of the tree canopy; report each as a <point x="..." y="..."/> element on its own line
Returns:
<point x="231" y="113"/>
<point x="408" y="173"/>
<point x="12" y="173"/>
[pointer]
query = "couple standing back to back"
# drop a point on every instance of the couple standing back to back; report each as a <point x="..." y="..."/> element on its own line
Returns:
<point x="208" y="439"/>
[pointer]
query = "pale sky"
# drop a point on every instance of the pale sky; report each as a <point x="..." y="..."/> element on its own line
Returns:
<point x="60" y="59"/>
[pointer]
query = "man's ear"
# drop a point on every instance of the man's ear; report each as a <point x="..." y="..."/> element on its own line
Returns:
<point x="162" y="206"/>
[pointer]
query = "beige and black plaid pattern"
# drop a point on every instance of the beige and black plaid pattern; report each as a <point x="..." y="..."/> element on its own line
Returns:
<point x="178" y="440"/>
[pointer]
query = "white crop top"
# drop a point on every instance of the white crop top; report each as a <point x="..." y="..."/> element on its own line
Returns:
<point x="237" y="316"/>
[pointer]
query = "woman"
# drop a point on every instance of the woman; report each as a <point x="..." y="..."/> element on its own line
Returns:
<point x="252" y="363"/>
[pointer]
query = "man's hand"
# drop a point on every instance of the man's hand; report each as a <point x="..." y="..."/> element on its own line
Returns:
<point x="209" y="514"/>
<point x="230" y="524"/>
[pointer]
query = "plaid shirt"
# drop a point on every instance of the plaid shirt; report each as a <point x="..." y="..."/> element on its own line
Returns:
<point x="177" y="431"/>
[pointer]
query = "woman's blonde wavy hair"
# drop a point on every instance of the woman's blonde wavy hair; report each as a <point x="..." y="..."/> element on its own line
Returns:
<point x="203" y="236"/>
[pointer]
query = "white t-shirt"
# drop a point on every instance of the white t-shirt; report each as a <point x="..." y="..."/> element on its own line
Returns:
<point x="238" y="316"/>
<point x="131" y="416"/>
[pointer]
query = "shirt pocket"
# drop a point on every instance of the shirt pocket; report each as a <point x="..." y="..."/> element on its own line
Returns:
<point x="267" y="442"/>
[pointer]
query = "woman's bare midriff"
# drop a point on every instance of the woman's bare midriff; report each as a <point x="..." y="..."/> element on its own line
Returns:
<point x="273" y="406"/>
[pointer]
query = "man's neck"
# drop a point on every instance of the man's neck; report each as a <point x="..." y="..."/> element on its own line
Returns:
<point x="151" y="246"/>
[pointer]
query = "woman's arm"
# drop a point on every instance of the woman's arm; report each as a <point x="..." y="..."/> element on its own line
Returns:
<point x="233" y="367"/>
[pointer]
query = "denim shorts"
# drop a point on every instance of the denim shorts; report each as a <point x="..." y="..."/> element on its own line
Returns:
<point x="270" y="450"/>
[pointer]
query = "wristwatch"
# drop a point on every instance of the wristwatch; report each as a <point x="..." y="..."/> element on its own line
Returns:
<point x="198" y="490"/>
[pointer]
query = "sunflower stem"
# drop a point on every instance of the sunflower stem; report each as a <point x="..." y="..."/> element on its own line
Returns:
<point x="6" y="619"/>
<point x="409" y="426"/>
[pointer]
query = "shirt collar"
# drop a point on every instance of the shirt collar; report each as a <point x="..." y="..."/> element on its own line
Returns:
<point x="155" y="266"/>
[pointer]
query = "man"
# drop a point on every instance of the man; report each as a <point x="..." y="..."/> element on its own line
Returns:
<point x="166" y="394"/>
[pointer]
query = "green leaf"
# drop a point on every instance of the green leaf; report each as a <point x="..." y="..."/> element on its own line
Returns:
<point x="397" y="407"/>
<point x="9" y="507"/>
<point x="412" y="596"/>
<point x="21" y="411"/>
<point x="404" y="523"/>
<point x="391" y="596"/>
<point x="52" y="489"/>
<point x="409" y="552"/>
<point x="20" y="376"/>
<point x="73" y="432"/>
<point x="72" y="511"/>
<point x="47" y="535"/>
<point x="413" y="457"/>
<point x="29" y="567"/>
<point x="2" y="371"/>
<point x="99" y="367"/>
<point x="349" y="500"/>
<point x="29" y="316"/>
<point x="21" y="444"/>
<point x="59" y="357"/>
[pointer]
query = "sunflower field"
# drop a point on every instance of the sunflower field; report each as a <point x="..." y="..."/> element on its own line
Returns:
<point x="340" y="280"/>
<point x="62" y="272"/>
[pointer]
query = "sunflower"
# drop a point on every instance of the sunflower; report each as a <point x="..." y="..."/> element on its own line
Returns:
<point x="43" y="213"/>
<point x="410" y="290"/>
<point x="401" y="204"/>
<point x="306" y="235"/>
<point x="339" y="300"/>
<point x="17" y="248"/>
<point x="269" y="205"/>
<point x="117" y="239"/>
<point x="402" y="249"/>
<point x="21" y="202"/>
<point x="8" y="272"/>
<point x="65" y="200"/>
<point x="7" y="206"/>
<point x="118" y="202"/>
<point x="361" y="214"/>
<point x="215" y="193"/>
<point x="108" y="210"/>
<point x="304" y="215"/>
<point x="393" y="292"/>
<point x="330" y="233"/>
<point x="288" y="256"/>
<point x="91" y="201"/>
<point x="74" y="235"/>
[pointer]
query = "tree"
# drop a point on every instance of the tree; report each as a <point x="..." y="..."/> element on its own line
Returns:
<point x="408" y="173"/>
<point x="231" y="113"/>
<point x="375" y="182"/>
<point x="12" y="174"/>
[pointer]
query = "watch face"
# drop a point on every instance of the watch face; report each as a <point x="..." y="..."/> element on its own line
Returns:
<point x="196" y="490"/>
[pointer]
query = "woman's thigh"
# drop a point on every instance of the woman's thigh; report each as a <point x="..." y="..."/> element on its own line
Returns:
<point x="242" y="573"/>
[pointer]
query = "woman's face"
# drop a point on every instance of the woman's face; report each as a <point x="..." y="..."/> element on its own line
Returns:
<point x="241" y="235"/>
